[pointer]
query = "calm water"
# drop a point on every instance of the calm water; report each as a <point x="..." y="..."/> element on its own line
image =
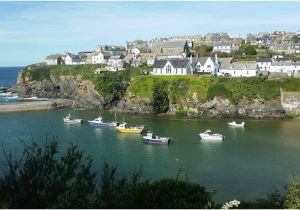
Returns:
<point x="8" y="77"/>
<point x="246" y="165"/>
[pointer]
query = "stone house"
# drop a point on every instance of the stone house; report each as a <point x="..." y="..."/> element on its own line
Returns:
<point x="55" y="59"/>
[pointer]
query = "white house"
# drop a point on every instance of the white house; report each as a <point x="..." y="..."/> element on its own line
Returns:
<point x="239" y="69"/>
<point x="55" y="59"/>
<point x="115" y="63"/>
<point x="98" y="57"/>
<point x="222" y="47"/>
<point x="264" y="64"/>
<point x="174" y="66"/>
<point x="73" y="59"/>
<point x="206" y="64"/>
<point x="290" y="66"/>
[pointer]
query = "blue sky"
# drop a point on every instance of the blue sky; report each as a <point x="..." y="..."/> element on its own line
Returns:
<point x="29" y="31"/>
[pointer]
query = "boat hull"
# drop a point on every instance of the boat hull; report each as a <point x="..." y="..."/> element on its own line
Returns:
<point x="157" y="141"/>
<point x="124" y="130"/>
<point x="211" y="137"/>
<point x="75" y="121"/>
<point x="98" y="124"/>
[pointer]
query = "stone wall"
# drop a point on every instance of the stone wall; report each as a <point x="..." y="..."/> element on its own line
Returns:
<point x="290" y="102"/>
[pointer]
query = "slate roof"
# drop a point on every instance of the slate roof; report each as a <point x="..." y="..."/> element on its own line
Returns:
<point x="180" y="44"/>
<point x="176" y="63"/>
<point x="264" y="60"/>
<point x="243" y="66"/>
<point x="218" y="44"/>
<point x="202" y="60"/>
<point x="225" y="63"/>
<point x="55" y="56"/>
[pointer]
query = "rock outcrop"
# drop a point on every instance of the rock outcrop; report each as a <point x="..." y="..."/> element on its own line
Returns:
<point x="69" y="87"/>
<point x="85" y="96"/>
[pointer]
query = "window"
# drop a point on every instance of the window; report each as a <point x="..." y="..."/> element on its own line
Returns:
<point x="181" y="71"/>
<point x="247" y="72"/>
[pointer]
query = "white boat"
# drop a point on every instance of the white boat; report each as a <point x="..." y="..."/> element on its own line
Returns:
<point x="154" y="139"/>
<point x="68" y="119"/>
<point x="234" y="124"/>
<point x="208" y="135"/>
<point x="98" y="122"/>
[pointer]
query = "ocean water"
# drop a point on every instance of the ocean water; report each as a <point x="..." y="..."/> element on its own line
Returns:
<point x="248" y="164"/>
<point x="8" y="77"/>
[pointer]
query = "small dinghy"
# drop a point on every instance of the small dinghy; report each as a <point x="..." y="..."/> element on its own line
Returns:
<point x="68" y="119"/>
<point x="208" y="135"/>
<point x="98" y="122"/>
<point x="234" y="124"/>
<point x="154" y="139"/>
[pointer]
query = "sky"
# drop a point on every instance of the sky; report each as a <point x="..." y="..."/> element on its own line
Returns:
<point x="29" y="31"/>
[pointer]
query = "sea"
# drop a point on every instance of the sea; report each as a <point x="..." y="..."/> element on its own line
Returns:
<point x="248" y="164"/>
<point x="8" y="78"/>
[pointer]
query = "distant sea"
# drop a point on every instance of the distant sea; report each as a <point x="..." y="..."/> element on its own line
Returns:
<point x="8" y="77"/>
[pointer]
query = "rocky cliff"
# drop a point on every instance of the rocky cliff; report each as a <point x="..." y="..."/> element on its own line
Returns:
<point x="216" y="108"/>
<point x="85" y="96"/>
<point x="68" y="87"/>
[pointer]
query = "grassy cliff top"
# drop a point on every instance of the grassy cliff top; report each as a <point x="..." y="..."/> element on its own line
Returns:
<point x="133" y="83"/>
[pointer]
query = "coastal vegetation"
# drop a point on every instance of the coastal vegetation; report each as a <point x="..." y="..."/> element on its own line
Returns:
<point x="162" y="92"/>
<point x="44" y="177"/>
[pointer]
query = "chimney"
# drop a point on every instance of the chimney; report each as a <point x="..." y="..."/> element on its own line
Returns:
<point x="216" y="58"/>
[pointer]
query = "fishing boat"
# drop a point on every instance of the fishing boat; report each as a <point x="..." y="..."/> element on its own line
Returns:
<point x="234" y="124"/>
<point x="208" y="135"/>
<point x="98" y="122"/>
<point x="68" y="119"/>
<point x="125" y="128"/>
<point x="154" y="139"/>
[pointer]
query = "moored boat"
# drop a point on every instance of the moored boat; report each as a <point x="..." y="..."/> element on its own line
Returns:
<point x="234" y="124"/>
<point x="154" y="139"/>
<point x="208" y="135"/>
<point x="125" y="128"/>
<point x="98" y="122"/>
<point x="68" y="119"/>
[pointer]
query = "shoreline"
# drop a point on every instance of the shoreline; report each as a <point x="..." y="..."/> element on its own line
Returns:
<point x="36" y="105"/>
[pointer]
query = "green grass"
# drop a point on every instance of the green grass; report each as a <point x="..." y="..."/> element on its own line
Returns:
<point x="180" y="89"/>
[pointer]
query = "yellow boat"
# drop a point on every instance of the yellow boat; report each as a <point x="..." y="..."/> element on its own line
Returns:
<point x="125" y="128"/>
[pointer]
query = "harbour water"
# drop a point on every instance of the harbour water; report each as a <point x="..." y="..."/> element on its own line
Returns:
<point x="248" y="164"/>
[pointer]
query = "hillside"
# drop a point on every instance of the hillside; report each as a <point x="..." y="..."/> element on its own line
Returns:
<point x="133" y="91"/>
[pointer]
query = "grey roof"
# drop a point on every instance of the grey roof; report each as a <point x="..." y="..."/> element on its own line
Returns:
<point x="222" y="44"/>
<point x="54" y="56"/>
<point x="180" y="44"/>
<point x="176" y="63"/>
<point x="264" y="60"/>
<point x="287" y="59"/>
<point x="202" y="60"/>
<point x="225" y="62"/>
<point x="243" y="66"/>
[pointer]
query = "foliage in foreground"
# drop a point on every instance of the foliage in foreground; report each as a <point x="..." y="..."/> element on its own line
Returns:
<point x="44" y="178"/>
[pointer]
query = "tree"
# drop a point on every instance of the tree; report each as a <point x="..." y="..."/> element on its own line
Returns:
<point x="295" y="39"/>
<point x="160" y="98"/>
<point x="42" y="178"/>
<point x="203" y="50"/>
<point x="292" y="200"/>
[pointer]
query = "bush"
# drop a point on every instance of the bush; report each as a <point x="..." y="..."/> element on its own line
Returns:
<point x="160" y="98"/>
<point x="292" y="200"/>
